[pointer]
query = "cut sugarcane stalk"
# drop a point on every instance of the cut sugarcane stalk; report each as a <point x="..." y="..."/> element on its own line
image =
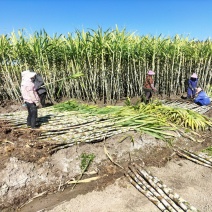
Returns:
<point x="193" y="159"/>
<point x="160" y="196"/>
<point x="198" y="157"/>
<point x="174" y="196"/>
<point x="148" y="194"/>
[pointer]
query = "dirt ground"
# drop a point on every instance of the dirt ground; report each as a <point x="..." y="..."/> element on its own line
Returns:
<point x="34" y="180"/>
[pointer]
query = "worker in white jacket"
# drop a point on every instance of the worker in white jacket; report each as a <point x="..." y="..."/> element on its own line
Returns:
<point x="30" y="97"/>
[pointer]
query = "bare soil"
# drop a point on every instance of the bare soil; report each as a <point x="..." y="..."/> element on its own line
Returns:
<point x="31" y="179"/>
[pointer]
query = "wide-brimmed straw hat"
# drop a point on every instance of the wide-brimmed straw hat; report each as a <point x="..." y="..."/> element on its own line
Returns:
<point x="150" y="72"/>
<point x="198" y="90"/>
<point x="194" y="75"/>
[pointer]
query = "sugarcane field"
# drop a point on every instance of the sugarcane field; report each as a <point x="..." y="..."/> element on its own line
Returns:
<point x="122" y="123"/>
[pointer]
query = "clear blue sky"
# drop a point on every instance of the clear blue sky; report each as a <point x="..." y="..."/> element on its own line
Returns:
<point x="191" y="18"/>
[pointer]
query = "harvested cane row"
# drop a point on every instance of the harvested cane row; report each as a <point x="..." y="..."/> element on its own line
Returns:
<point x="188" y="105"/>
<point x="157" y="192"/>
<point x="49" y="116"/>
<point x="63" y="129"/>
<point x="67" y="128"/>
<point x="196" y="158"/>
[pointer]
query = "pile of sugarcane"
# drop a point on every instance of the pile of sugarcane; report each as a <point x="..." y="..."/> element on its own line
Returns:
<point x="196" y="158"/>
<point x="70" y="123"/>
<point x="178" y="114"/>
<point x="188" y="105"/>
<point x="156" y="191"/>
<point x="66" y="128"/>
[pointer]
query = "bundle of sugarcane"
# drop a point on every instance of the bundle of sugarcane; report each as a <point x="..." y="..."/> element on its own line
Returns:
<point x="203" y="109"/>
<point x="52" y="119"/>
<point x="76" y="127"/>
<point x="180" y="116"/>
<point x="194" y="157"/>
<point x="58" y="143"/>
<point x="72" y="123"/>
<point x="147" y="193"/>
<point x="162" y="196"/>
<point x="69" y="122"/>
<point x="188" y="105"/>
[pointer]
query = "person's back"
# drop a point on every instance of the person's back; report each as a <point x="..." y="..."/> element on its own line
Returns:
<point x="202" y="98"/>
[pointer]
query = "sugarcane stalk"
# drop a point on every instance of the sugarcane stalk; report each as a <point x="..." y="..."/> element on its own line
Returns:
<point x="161" y="197"/>
<point x="157" y="183"/>
<point x="158" y="189"/>
<point x="146" y="193"/>
<point x="186" y="136"/>
<point x="193" y="159"/>
<point x="198" y="157"/>
<point x="206" y="156"/>
<point x="76" y="129"/>
<point x="93" y="139"/>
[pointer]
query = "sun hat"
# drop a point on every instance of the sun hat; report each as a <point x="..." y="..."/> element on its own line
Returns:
<point x="194" y="75"/>
<point x="24" y="73"/>
<point x="30" y="74"/>
<point x="150" y="72"/>
<point x="198" y="90"/>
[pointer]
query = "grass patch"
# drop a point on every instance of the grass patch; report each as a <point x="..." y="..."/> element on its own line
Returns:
<point x="208" y="150"/>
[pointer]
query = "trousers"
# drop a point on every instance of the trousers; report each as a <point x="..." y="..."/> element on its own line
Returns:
<point x="32" y="114"/>
<point x="42" y="99"/>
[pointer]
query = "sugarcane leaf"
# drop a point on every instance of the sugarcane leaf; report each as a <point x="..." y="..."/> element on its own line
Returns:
<point x="111" y="159"/>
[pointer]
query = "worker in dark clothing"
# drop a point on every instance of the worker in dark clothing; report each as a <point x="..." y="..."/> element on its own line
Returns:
<point x="192" y="86"/>
<point x="40" y="89"/>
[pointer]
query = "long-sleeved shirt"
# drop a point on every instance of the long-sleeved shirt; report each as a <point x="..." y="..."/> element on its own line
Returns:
<point x="28" y="91"/>
<point x="192" y="85"/>
<point x="202" y="99"/>
<point x="149" y="82"/>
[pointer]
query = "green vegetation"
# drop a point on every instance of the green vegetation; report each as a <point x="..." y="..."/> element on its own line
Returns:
<point x="209" y="91"/>
<point x="86" y="160"/>
<point x="208" y="150"/>
<point x="73" y="105"/>
<point x="113" y="63"/>
<point x="155" y="119"/>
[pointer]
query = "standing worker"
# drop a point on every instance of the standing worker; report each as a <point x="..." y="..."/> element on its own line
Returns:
<point x="30" y="97"/>
<point x="149" y="86"/>
<point x="40" y="89"/>
<point x="192" y="85"/>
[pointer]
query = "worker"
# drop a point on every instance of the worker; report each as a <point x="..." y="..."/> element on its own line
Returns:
<point x="149" y="86"/>
<point x="201" y="97"/>
<point x="30" y="97"/>
<point x="192" y="85"/>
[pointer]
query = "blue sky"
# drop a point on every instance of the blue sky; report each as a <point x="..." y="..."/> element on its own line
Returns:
<point x="192" y="18"/>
